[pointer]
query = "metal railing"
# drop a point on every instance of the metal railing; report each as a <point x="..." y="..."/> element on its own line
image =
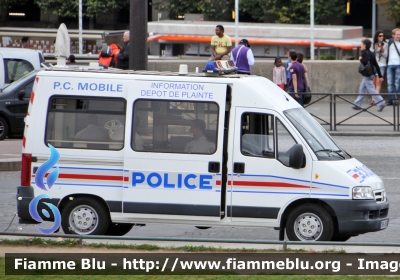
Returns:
<point x="334" y="123"/>
<point x="322" y="96"/>
<point x="284" y="243"/>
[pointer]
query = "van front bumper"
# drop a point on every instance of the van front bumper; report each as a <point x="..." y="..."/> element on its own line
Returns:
<point x="24" y="198"/>
<point x="359" y="216"/>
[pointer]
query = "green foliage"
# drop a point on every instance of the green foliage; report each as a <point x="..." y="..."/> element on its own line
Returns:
<point x="393" y="11"/>
<point x="213" y="8"/>
<point x="9" y="3"/>
<point x="328" y="57"/>
<point x="291" y="11"/>
<point x="91" y="8"/>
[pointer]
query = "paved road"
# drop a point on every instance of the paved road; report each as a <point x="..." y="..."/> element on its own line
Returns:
<point x="380" y="154"/>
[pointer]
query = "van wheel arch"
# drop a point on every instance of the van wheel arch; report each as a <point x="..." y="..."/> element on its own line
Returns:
<point x="299" y="202"/>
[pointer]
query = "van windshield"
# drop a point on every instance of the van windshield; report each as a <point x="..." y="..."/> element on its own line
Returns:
<point x="317" y="138"/>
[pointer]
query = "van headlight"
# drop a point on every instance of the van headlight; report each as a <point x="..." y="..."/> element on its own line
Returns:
<point x="363" y="193"/>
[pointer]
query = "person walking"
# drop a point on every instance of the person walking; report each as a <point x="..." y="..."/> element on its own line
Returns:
<point x="242" y="57"/>
<point x="123" y="55"/>
<point x="300" y="59"/>
<point x="393" y="67"/>
<point x="279" y="74"/>
<point x="367" y="81"/>
<point x="220" y="45"/>
<point x="381" y="55"/>
<point x="110" y="60"/>
<point x="287" y="65"/>
<point x="296" y="83"/>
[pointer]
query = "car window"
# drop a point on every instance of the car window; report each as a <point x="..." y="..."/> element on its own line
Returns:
<point x="16" y="68"/>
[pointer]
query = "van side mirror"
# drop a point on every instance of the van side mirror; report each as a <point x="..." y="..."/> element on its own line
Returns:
<point x="21" y="94"/>
<point x="297" y="158"/>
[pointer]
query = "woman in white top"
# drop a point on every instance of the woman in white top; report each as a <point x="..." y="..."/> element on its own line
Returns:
<point x="380" y="48"/>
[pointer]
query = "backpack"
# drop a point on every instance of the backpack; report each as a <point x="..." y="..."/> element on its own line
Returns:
<point x="106" y="51"/>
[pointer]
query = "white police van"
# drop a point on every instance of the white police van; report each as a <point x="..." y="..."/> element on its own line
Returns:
<point x="231" y="150"/>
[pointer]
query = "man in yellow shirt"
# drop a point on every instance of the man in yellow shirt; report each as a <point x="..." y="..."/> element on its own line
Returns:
<point x="220" y="44"/>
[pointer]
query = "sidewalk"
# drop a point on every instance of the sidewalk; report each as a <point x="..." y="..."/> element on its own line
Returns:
<point x="10" y="155"/>
<point x="364" y="124"/>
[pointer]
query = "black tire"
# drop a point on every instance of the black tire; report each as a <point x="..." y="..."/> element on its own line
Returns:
<point x="309" y="222"/>
<point x="3" y="129"/>
<point x="115" y="229"/>
<point x="199" y="227"/>
<point x="83" y="210"/>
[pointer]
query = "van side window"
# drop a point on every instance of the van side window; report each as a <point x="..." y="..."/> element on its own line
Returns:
<point x="285" y="142"/>
<point x="86" y="123"/>
<point x="164" y="126"/>
<point x="16" y="68"/>
<point x="257" y="136"/>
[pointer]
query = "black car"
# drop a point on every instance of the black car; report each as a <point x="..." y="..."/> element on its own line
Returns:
<point x="14" y="101"/>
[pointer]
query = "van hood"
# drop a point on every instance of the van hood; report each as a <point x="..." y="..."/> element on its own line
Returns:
<point x="360" y="173"/>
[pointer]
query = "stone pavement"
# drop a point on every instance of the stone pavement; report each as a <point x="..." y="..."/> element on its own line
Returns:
<point x="364" y="124"/>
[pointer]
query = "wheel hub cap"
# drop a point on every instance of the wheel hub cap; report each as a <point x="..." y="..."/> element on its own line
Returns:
<point x="83" y="219"/>
<point x="308" y="226"/>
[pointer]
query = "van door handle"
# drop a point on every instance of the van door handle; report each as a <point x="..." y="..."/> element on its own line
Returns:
<point x="238" y="167"/>
<point x="213" y="167"/>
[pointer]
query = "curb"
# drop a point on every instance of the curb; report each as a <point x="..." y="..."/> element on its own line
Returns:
<point x="364" y="133"/>
<point x="10" y="165"/>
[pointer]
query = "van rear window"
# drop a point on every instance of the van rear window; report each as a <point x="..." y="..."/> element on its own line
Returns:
<point x="86" y="123"/>
<point x="164" y="126"/>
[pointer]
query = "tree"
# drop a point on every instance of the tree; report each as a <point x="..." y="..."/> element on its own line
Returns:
<point x="92" y="8"/>
<point x="215" y="9"/>
<point x="292" y="11"/>
<point x="5" y="5"/>
<point x="393" y="11"/>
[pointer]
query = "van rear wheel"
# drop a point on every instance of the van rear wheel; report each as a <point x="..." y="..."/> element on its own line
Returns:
<point x="3" y="129"/>
<point x="115" y="229"/>
<point x="309" y="222"/>
<point x="84" y="216"/>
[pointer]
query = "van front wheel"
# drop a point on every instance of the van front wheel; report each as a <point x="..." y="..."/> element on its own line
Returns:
<point x="3" y="129"/>
<point x="309" y="222"/>
<point x="84" y="216"/>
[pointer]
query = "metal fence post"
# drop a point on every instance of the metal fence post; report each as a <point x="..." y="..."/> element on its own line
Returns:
<point x="330" y="112"/>
<point x="334" y="112"/>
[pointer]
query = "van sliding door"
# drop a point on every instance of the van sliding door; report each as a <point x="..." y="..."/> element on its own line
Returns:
<point x="173" y="168"/>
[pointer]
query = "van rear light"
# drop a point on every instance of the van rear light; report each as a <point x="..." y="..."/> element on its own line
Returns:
<point x="26" y="167"/>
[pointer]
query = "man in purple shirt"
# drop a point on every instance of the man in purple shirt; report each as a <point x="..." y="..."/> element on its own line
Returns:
<point x="296" y="83"/>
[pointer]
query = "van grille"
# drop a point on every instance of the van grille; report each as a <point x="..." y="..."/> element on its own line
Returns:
<point x="380" y="196"/>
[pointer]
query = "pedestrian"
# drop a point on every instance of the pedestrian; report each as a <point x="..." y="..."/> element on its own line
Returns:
<point x="123" y="55"/>
<point x="381" y="55"/>
<point x="296" y="83"/>
<point x="300" y="59"/>
<point x="393" y="66"/>
<point x="287" y="65"/>
<point x="279" y="74"/>
<point x="110" y="59"/>
<point x="220" y="45"/>
<point x="367" y="81"/>
<point x="242" y="57"/>
<point x="71" y="58"/>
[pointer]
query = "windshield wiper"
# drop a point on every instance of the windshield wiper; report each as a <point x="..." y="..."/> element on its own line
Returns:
<point x="332" y="151"/>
